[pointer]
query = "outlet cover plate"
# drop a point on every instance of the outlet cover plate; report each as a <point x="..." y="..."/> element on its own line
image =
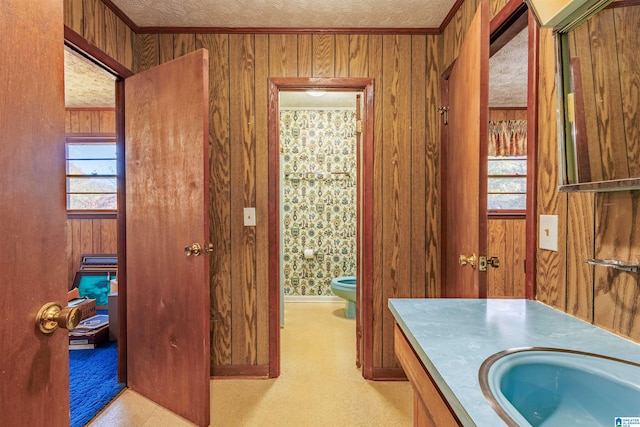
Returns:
<point x="249" y="217"/>
<point x="548" y="237"/>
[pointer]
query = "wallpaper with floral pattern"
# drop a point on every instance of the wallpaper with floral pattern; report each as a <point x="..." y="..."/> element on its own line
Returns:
<point x="318" y="202"/>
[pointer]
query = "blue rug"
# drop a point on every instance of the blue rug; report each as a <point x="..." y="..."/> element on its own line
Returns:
<point x="93" y="381"/>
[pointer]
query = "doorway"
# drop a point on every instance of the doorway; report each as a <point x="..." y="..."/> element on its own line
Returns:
<point x="364" y="217"/>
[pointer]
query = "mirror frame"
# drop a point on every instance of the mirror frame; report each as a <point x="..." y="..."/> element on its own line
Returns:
<point x="567" y="152"/>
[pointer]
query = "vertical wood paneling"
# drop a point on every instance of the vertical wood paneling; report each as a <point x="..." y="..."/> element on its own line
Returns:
<point x="94" y="23"/>
<point x="183" y="44"/>
<point x="580" y="246"/>
<point x="418" y="166"/>
<point x="84" y="121"/>
<point x="165" y="47"/>
<point x="124" y="44"/>
<point x="74" y="15"/>
<point x="506" y="239"/>
<point x="519" y="233"/>
<point x="497" y="246"/>
<point x="551" y="272"/>
<point x="342" y="56"/>
<point x="282" y="55"/>
<point x="323" y="55"/>
<point x="432" y="175"/>
<point x="146" y="52"/>
<point x="219" y="187"/>
<point x="110" y="33"/>
<point x="242" y="155"/>
<point x="358" y="56"/>
<point x="455" y="31"/>
<point x="376" y="57"/>
<point x="396" y="172"/>
<point x="262" y="202"/>
<point x="305" y="55"/>
<point x="617" y="294"/>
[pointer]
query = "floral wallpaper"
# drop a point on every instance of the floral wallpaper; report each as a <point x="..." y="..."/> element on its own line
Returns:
<point x="318" y="198"/>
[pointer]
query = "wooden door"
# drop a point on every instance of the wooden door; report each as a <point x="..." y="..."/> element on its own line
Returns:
<point x="464" y="222"/>
<point x="166" y="145"/>
<point x="34" y="368"/>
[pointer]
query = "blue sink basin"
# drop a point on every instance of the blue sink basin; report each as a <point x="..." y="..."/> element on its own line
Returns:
<point x="555" y="387"/>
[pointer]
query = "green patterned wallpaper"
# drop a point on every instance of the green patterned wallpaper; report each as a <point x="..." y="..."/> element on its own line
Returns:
<point x="318" y="198"/>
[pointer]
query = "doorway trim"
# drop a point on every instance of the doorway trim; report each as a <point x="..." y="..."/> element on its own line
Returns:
<point x="364" y="252"/>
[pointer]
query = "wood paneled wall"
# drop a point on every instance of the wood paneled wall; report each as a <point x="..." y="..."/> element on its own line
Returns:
<point x="89" y="236"/>
<point x="506" y="240"/>
<point x="101" y="27"/>
<point x="603" y="225"/>
<point x="406" y="72"/>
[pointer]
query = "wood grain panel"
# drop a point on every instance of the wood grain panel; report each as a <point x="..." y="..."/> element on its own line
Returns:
<point x="107" y="121"/>
<point x="165" y="48"/>
<point x="617" y="294"/>
<point x="261" y="199"/>
<point x="124" y="45"/>
<point x="220" y="196"/>
<point x="455" y="31"/>
<point x="323" y="55"/>
<point x="305" y="55"/>
<point x="183" y="44"/>
<point x="110" y="33"/>
<point x="74" y="15"/>
<point x="418" y="166"/>
<point x="358" y="55"/>
<point x="283" y="53"/>
<point x="519" y="233"/>
<point x="242" y="184"/>
<point x="379" y="303"/>
<point x="432" y="176"/>
<point x="580" y="247"/>
<point x="627" y="22"/>
<point x="145" y="52"/>
<point x="342" y="55"/>
<point x="396" y="172"/>
<point x="550" y="276"/>
<point x="497" y="281"/>
<point x="94" y="23"/>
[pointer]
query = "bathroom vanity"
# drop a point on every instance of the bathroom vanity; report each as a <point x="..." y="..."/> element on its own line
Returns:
<point x="442" y="343"/>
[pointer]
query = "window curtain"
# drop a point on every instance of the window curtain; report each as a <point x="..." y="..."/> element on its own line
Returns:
<point x="508" y="138"/>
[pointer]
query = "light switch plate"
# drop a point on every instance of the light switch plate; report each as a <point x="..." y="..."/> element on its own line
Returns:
<point x="549" y="232"/>
<point x="249" y="217"/>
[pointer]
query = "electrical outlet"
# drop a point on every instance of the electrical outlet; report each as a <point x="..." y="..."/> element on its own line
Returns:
<point x="249" y="217"/>
<point x="549" y="232"/>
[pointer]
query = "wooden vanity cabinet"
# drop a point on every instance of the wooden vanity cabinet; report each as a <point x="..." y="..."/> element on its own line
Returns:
<point x="430" y="408"/>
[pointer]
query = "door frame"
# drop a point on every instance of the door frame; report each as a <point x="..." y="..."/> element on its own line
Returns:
<point x="97" y="56"/>
<point x="364" y="257"/>
<point x="501" y="30"/>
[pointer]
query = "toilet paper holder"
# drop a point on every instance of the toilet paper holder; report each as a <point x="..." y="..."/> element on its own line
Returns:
<point x="309" y="253"/>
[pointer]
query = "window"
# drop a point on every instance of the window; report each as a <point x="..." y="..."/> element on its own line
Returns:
<point x="91" y="175"/>
<point x="507" y="186"/>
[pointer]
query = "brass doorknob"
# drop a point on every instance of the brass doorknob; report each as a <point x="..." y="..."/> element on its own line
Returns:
<point x="194" y="249"/>
<point x="471" y="260"/>
<point x="52" y="315"/>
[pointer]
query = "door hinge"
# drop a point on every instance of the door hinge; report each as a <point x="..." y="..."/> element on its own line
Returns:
<point x="444" y="111"/>
<point x="359" y="126"/>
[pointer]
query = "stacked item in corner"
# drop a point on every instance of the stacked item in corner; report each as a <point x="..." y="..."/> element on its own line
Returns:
<point x="90" y="333"/>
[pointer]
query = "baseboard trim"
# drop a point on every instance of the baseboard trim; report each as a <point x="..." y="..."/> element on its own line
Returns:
<point x="229" y="372"/>
<point x="312" y="298"/>
<point x="388" y="374"/>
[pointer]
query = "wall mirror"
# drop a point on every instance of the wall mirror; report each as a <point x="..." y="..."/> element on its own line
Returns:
<point x="599" y="98"/>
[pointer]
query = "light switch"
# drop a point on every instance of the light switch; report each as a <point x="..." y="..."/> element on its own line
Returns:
<point x="249" y="217"/>
<point x="549" y="232"/>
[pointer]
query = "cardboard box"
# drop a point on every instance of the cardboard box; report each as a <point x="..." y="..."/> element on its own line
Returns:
<point x="87" y="306"/>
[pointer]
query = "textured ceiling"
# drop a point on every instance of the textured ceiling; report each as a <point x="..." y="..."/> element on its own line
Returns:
<point x="287" y="13"/>
<point x="85" y="84"/>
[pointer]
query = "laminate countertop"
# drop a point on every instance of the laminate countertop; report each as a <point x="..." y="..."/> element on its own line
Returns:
<point x="452" y="337"/>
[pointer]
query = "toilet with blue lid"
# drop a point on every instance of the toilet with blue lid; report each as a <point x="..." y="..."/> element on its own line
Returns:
<point x="345" y="287"/>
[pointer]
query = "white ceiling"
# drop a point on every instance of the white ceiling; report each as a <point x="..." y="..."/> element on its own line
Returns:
<point x="287" y="13"/>
<point x="87" y="85"/>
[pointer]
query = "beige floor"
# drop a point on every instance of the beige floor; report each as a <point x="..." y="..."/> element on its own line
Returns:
<point x="319" y="385"/>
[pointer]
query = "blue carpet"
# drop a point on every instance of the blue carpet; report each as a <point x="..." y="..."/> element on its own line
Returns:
<point x="93" y="381"/>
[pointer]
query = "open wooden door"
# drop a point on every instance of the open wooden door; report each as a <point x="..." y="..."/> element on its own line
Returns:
<point x="34" y="367"/>
<point x="464" y="215"/>
<point x="167" y="162"/>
